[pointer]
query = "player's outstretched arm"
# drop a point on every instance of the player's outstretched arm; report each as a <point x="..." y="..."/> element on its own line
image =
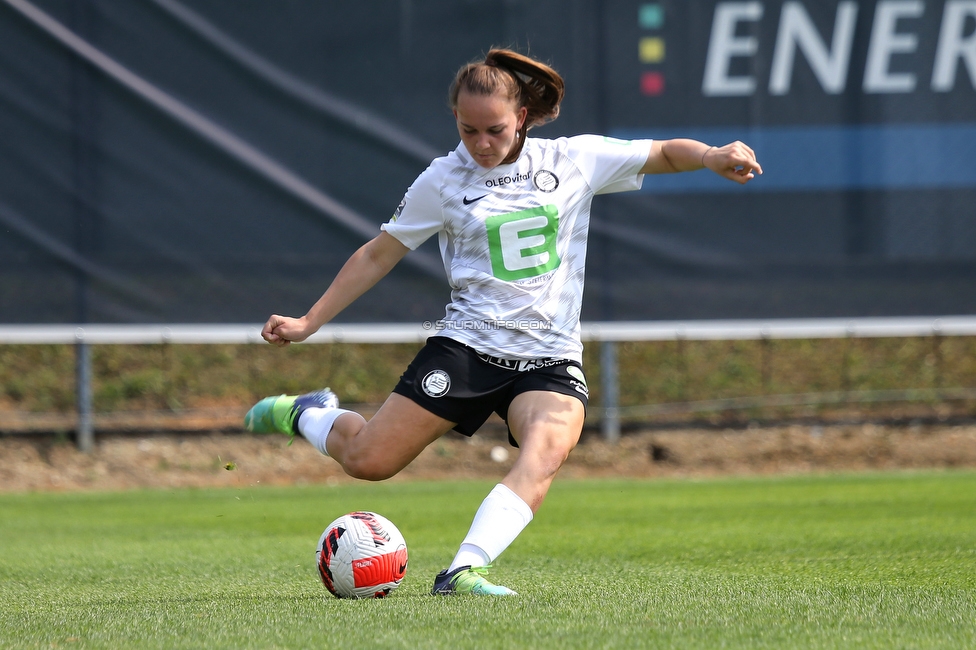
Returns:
<point x="366" y="267"/>
<point x="735" y="161"/>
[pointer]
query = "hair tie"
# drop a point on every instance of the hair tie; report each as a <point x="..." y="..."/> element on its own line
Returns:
<point x="705" y="154"/>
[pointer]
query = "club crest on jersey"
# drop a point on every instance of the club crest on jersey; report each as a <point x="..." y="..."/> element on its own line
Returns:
<point x="545" y="180"/>
<point x="436" y="383"/>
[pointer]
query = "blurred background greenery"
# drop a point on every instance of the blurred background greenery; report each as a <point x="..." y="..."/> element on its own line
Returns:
<point x="226" y="379"/>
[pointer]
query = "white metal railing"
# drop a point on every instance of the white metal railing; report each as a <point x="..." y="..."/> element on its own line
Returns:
<point x="607" y="333"/>
<point x="786" y="328"/>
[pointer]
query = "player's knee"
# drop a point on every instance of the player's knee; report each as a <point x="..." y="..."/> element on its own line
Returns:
<point x="368" y="467"/>
<point x="551" y="451"/>
<point x="555" y="456"/>
<point x="367" y="471"/>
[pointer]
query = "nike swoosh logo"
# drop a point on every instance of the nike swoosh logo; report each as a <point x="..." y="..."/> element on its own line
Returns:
<point x="468" y="201"/>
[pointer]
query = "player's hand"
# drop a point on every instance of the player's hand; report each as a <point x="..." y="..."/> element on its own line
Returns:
<point x="735" y="161"/>
<point x="283" y="330"/>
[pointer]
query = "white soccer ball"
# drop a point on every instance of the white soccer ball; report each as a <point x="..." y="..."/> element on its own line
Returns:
<point x="361" y="555"/>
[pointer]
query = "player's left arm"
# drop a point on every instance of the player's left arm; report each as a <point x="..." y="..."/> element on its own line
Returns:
<point x="735" y="161"/>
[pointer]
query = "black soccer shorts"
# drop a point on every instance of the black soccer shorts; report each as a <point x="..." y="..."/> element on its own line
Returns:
<point x="458" y="383"/>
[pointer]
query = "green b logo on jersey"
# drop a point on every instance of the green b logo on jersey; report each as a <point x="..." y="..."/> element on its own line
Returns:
<point x="523" y="244"/>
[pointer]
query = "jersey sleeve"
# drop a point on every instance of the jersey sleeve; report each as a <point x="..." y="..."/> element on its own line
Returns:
<point x="610" y="165"/>
<point x="420" y="213"/>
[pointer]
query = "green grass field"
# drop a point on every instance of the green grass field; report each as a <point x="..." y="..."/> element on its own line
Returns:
<point x="866" y="561"/>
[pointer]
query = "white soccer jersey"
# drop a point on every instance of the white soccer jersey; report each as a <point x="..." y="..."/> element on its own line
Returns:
<point x="513" y="239"/>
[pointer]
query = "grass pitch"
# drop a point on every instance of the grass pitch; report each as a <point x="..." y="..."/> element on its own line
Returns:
<point x="867" y="561"/>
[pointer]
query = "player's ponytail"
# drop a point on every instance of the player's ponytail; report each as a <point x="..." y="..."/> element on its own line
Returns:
<point x="528" y="82"/>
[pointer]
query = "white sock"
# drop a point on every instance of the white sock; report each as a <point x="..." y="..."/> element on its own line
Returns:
<point x="469" y="555"/>
<point x="315" y="424"/>
<point x="499" y="520"/>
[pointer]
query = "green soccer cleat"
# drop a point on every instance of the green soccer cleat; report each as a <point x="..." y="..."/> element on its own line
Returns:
<point x="467" y="580"/>
<point x="280" y="414"/>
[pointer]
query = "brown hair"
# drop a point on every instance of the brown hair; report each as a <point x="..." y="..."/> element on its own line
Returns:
<point x="524" y="80"/>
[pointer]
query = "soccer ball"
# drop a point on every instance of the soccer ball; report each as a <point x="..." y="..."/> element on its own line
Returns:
<point x="361" y="555"/>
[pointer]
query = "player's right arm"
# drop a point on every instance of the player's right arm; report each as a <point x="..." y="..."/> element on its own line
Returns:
<point x="366" y="267"/>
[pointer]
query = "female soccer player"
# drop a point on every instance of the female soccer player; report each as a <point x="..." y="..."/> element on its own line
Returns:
<point x="511" y="215"/>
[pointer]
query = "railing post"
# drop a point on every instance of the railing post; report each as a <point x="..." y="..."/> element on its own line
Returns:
<point x="765" y="371"/>
<point x="85" y="434"/>
<point x="610" y="389"/>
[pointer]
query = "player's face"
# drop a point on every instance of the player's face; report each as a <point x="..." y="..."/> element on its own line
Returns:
<point x="488" y="125"/>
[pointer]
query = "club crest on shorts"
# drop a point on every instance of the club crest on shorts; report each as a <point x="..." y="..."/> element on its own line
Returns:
<point x="436" y="383"/>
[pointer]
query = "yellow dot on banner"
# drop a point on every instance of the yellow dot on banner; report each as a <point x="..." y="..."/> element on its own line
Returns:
<point x="651" y="49"/>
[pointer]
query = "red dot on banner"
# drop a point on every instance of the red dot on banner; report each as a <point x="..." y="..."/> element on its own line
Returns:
<point x="652" y="84"/>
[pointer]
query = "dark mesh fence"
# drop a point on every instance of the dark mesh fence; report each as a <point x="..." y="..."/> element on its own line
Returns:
<point x="176" y="161"/>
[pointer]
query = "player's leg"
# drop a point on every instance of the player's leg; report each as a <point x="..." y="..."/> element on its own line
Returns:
<point x="373" y="450"/>
<point x="422" y="408"/>
<point x="547" y="425"/>
<point x="388" y="442"/>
